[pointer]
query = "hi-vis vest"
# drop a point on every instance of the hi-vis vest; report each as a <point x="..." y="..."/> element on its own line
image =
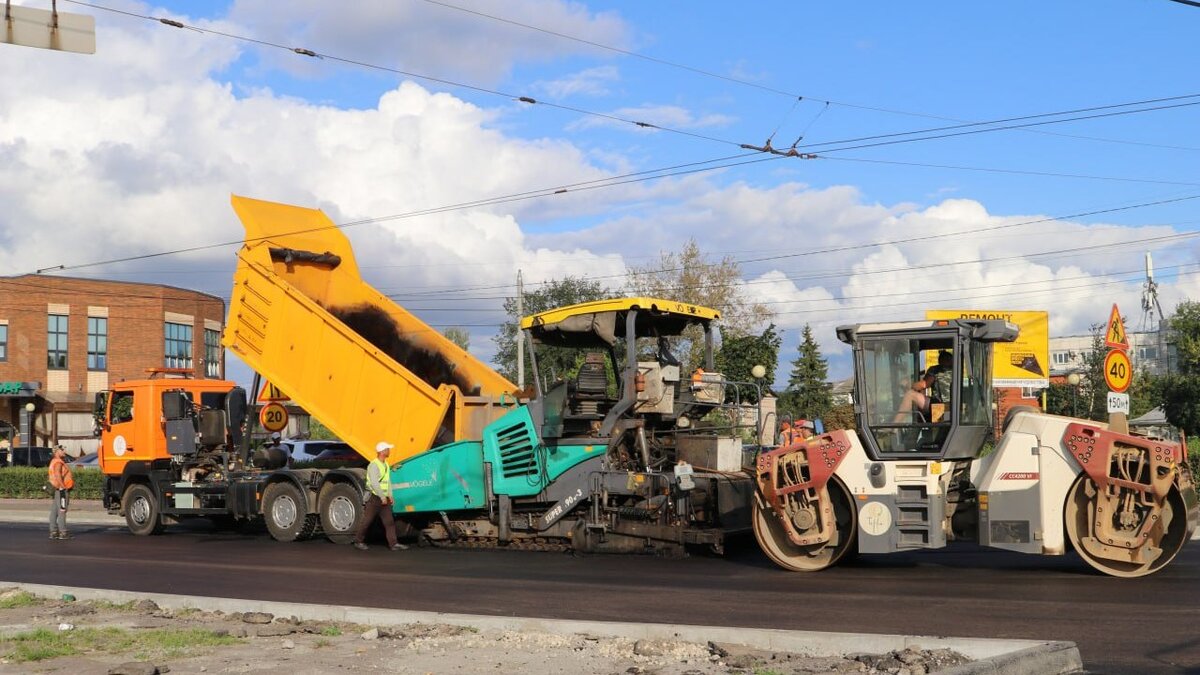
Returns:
<point x="60" y="475"/>
<point x="385" y="478"/>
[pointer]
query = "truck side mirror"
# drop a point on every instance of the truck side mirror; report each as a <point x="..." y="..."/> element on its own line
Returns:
<point x="235" y="406"/>
<point x="176" y="405"/>
<point x="235" y="413"/>
<point x="100" y="414"/>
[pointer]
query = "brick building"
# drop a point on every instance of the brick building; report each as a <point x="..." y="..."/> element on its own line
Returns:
<point x="62" y="340"/>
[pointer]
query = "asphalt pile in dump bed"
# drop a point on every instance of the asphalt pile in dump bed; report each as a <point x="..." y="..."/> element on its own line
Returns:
<point x="375" y="326"/>
<point x="103" y="638"/>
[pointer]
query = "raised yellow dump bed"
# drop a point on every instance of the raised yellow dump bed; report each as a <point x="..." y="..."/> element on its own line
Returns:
<point x="301" y="316"/>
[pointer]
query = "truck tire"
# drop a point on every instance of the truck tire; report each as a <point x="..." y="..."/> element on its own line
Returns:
<point x="286" y="512"/>
<point x="141" y="510"/>
<point x="341" y="508"/>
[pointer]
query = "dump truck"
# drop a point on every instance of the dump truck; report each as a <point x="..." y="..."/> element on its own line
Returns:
<point x="620" y="453"/>
<point x="921" y="469"/>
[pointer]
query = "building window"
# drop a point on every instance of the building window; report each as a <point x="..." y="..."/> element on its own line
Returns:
<point x="1147" y="353"/>
<point x="56" y="342"/>
<point x="212" y="353"/>
<point x="1030" y="392"/>
<point x="3" y="342"/>
<point x="1062" y="358"/>
<point x="97" y="343"/>
<point x="178" y="352"/>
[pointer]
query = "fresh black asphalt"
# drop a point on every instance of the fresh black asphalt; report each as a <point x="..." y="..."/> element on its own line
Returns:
<point x="1147" y="625"/>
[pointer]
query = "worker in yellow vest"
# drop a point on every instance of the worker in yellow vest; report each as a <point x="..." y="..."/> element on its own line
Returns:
<point x="379" y="500"/>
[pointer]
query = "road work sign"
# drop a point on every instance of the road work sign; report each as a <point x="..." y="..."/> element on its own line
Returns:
<point x="271" y="393"/>
<point x="1022" y="363"/>
<point x="1118" y="371"/>
<point x="1114" y="336"/>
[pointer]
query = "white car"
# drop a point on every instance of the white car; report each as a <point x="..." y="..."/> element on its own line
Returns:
<point x="306" y="451"/>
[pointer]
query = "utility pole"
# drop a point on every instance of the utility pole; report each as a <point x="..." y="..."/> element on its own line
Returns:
<point x="520" y="338"/>
<point x="1153" y="320"/>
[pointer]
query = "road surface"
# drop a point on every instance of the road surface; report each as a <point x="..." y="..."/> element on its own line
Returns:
<point x="1121" y="625"/>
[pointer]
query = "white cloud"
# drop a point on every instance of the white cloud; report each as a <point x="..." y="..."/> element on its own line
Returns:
<point x="817" y="271"/>
<point x="589" y="82"/>
<point x="426" y="38"/>
<point x="658" y="115"/>
<point x="137" y="148"/>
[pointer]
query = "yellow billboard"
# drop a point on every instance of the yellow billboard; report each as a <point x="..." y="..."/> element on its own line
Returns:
<point x="1023" y="363"/>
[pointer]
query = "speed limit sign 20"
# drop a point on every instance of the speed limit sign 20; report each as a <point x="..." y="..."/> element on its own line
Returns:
<point x="273" y="417"/>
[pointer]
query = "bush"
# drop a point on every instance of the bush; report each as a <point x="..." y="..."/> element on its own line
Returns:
<point x="25" y="482"/>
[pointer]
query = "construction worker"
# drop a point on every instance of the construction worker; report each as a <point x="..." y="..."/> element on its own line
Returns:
<point x="803" y="430"/>
<point x="942" y="377"/>
<point x="785" y="432"/>
<point x="379" y="500"/>
<point x="61" y="482"/>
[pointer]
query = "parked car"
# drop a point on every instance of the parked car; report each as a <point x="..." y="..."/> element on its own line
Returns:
<point x="307" y="451"/>
<point x="89" y="461"/>
<point x="343" y="455"/>
<point x="26" y="456"/>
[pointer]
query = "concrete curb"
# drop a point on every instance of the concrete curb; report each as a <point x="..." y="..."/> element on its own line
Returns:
<point x="1051" y="658"/>
<point x="27" y="517"/>
<point x="992" y="656"/>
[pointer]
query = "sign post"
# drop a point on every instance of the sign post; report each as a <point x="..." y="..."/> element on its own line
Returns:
<point x="1118" y="372"/>
<point x="60" y="31"/>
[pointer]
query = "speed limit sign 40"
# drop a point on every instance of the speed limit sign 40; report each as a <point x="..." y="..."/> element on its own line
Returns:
<point x="1118" y="371"/>
<point x="273" y="417"/>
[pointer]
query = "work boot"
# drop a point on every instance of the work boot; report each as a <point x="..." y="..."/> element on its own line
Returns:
<point x="64" y="535"/>
<point x="54" y="534"/>
<point x="398" y="547"/>
<point x="360" y="546"/>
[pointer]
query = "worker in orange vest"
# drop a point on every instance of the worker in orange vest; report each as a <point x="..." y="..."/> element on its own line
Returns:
<point x="62" y="481"/>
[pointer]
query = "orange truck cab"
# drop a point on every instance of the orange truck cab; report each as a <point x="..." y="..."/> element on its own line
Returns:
<point x="131" y="422"/>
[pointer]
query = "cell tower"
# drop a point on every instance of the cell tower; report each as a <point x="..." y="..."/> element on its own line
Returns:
<point x="1152" y="323"/>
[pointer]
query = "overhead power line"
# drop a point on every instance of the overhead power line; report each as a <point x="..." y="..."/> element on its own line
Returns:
<point x="797" y="96"/>
<point x="641" y="123"/>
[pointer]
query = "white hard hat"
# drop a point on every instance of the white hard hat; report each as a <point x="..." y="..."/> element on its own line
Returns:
<point x="275" y="435"/>
<point x="383" y="446"/>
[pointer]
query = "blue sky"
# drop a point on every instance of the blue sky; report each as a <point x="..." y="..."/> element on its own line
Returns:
<point x="162" y="124"/>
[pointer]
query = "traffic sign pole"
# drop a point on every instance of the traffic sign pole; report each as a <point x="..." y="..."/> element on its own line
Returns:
<point x="1118" y="372"/>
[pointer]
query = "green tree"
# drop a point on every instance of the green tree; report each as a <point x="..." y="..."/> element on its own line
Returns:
<point x="1092" y="397"/>
<point x="1179" y="393"/>
<point x="689" y="276"/>
<point x="1181" y="402"/>
<point x="739" y="354"/>
<point x="1184" y="327"/>
<point x="319" y="432"/>
<point x="459" y="336"/>
<point x="1062" y="399"/>
<point x="807" y="393"/>
<point x="552" y="294"/>
<point x="839" y="417"/>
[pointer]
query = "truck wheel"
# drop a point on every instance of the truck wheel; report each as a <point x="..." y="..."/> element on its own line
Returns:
<point x="341" y="510"/>
<point x="141" y="510"/>
<point x="286" y="513"/>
